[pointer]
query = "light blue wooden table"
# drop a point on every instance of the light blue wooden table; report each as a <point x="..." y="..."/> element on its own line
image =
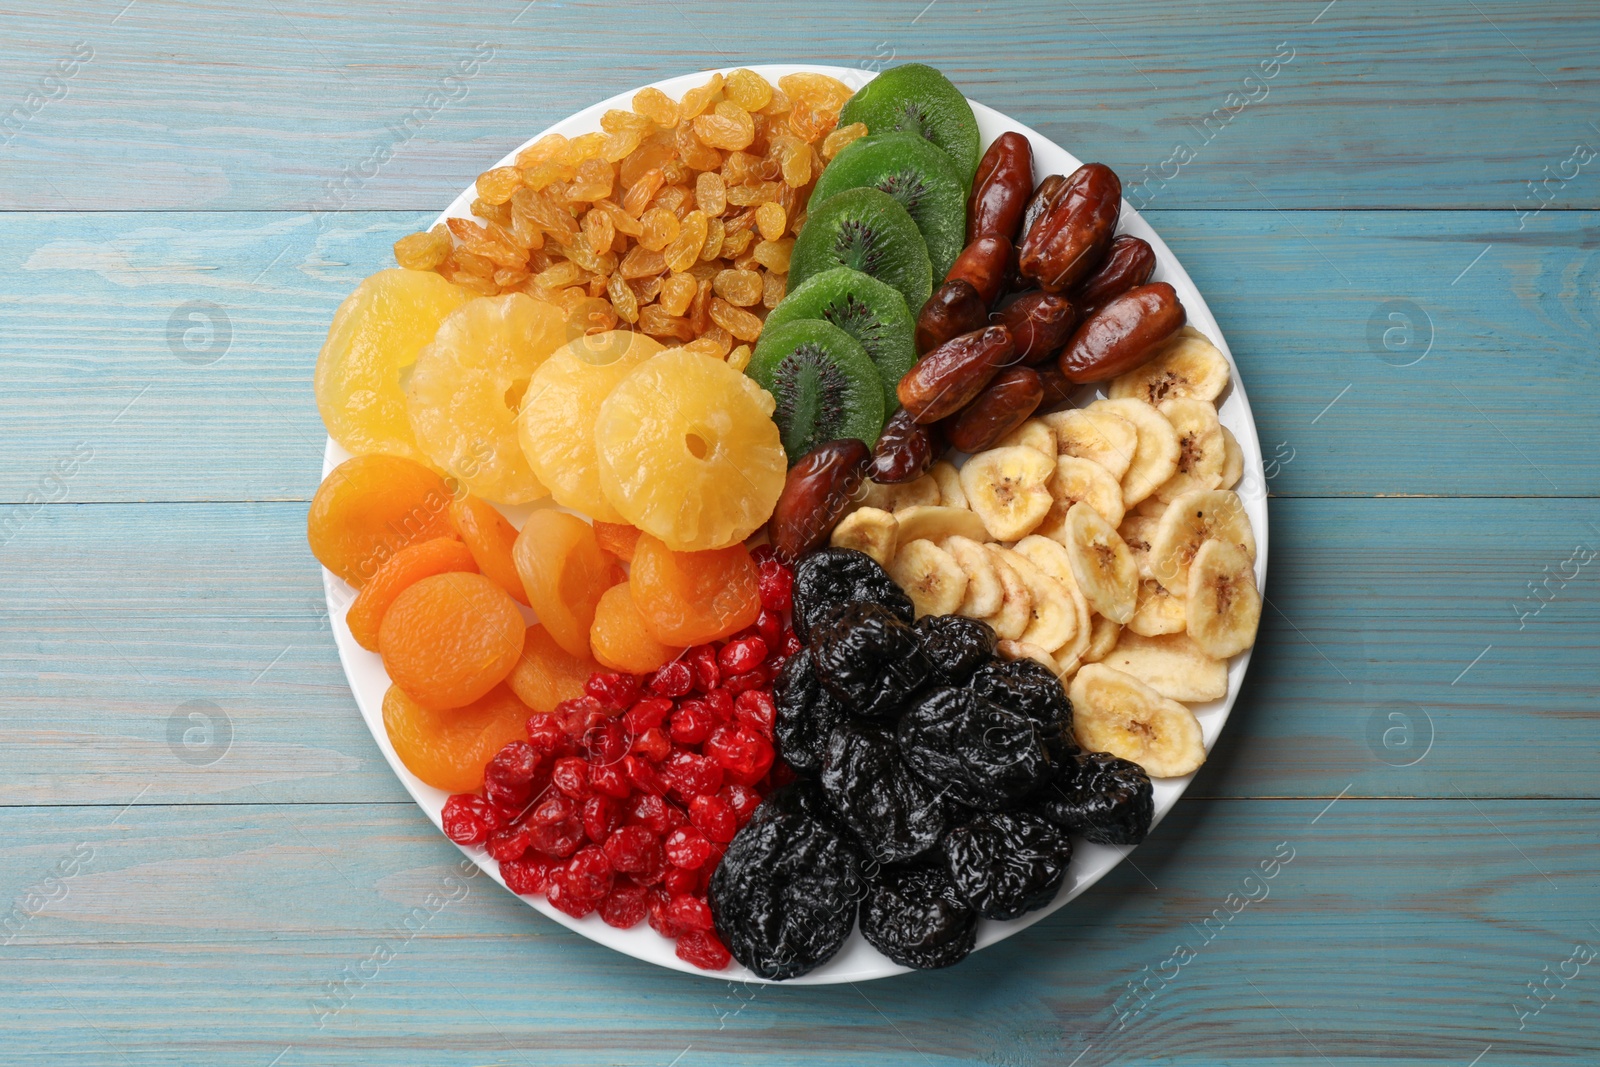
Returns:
<point x="203" y="853"/>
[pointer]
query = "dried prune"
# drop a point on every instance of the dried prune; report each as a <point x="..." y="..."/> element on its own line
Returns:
<point x="1099" y="797"/>
<point x="869" y="659"/>
<point x="979" y="753"/>
<point x="1030" y="687"/>
<point x="914" y="916"/>
<point x="1007" y="863"/>
<point x="806" y="715"/>
<point x="824" y="580"/>
<point x="956" y="646"/>
<point x="784" y="897"/>
<point x="896" y="815"/>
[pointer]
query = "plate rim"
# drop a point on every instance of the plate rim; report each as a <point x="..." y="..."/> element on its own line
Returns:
<point x="642" y="942"/>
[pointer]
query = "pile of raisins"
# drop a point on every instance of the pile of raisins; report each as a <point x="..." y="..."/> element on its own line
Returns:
<point x="939" y="784"/>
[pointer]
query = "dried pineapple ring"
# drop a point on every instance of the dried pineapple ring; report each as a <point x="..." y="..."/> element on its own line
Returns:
<point x="689" y="452"/>
<point x="467" y="385"/>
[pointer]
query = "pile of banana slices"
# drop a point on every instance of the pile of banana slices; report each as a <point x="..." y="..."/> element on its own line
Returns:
<point x="1105" y="542"/>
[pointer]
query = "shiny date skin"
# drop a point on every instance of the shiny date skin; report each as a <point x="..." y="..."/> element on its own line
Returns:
<point x="1040" y="323"/>
<point x="952" y="375"/>
<point x="1129" y="262"/>
<point x="954" y="309"/>
<point x="1043" y="196"/>
<point x="1123" y="334"/>
<point x="1070" y="237"/>
<point x="905" y="450"/>
<point x="986" y="264"/>
<point x="1001" y="189"/>
<point x="815" y="494"/>
<point x="1057" y="390"/>
<point x="1005" y="403"/>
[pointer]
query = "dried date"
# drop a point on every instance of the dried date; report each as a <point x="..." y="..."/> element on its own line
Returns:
<point x="948" y="378"/>
<point x="954" y="309"/>
<point x="986" y="264"/>
<point x="1070" y="237"/>
<point x="1040" y="323"/>
<point x="1005" y="403"/>
<point x="815" y="494"/>
<point x="1001" y="188"/>
<point x="1129" y="262"/>
<point x="1123" y="334"/>
<point x="905" y="450"/>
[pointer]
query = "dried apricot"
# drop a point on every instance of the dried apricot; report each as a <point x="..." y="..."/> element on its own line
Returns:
<point x="376" y="334"/>
<point x="397" y="574"/>
<point x="448" y="749"/>
<point x="621" y="639"/>
<point x="449" y="639"/>
<point x="617" y="538"/>
<point x="564" y="572"/>
<point x="370" y="507"/>
<point x="547" y="674"/>
<point x="489" y="538"/>
<point x="689" y="598"/>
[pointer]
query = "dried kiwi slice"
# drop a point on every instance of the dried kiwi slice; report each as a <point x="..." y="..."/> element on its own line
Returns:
<point x="921" y="178"/>
<point x="825" y="385"/>
<point x="865" y="230"/>
<point x="918" y="99"/>
<point x="873" y="313"/>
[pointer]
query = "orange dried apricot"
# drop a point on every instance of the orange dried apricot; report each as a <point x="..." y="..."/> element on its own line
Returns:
<point x="398" y="573"/>
<point x="449" y="639"/>
<point x="689" y="598"/>
<point x="621" y="639"/>
<point x="564" y="572"/>
<point x="370" y="507"/>
<point x="547" y="674"/>
<point x="448" y="749"/>
<point x="489" y="538"/>
<point x="617" y="538"/>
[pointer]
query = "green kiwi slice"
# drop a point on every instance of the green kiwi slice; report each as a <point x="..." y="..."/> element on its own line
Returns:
<point x="825" y="385"/>
<point x="921" y="178"/>
<point x="917" y="99"/>
<point x="873" y="313"/>
<point x="865" y="230"/>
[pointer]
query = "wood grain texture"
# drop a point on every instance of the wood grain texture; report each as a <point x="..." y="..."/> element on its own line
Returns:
<point x="188" y="339"/>
<point x="1427" y="104"/>
<point x="1433" y="914"/>
<point x="180" y="216"/>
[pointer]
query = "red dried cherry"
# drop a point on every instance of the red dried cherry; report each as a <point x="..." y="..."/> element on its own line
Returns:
<point x="742" y="683"/>
<point x="689" y="774"/>
<point x="556" y="828"/>
<point x="646" y="714"/>
<point x="691" y="723"/>
<point x="589" y="873"/>
<point x="712" y="816"/>
<point x="769" y="624"/>
<point x="757" y="710"/>
<point x="633" y="849"/>
<point x="611" y="779"/>
<point x="741" y="800"/>
<point x="511" y="843"/>
<point x="674" y="680"/>
<point x="606" y="742"/>
<point x="737" y="657"/>
<point x="678" y="880"/>
<point x="701" y="948"/>
<point x="571" y="776"/>
<point x="689" y="912"/>
<point x="775" y="583"/>
<point x="720" y="703"/>
<point x="527" y="876"/>
<point x="742" y="753"/>
<point x="625" y="906"/>
<point x="702" y="660"/>
<point x="547" y="733"/>
<point x="600" y="817"/>
<point x="470" y="819"/>
<point x="686" y="847"/>
<point x="508" y="780"/>
<point x="654" y="813"/>
<point x="614" y="690"/>
<point x="652" y="745"/>
<point x="642" y="775"/>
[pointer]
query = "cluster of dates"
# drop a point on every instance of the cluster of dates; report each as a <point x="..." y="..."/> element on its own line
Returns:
<point x="939" y="784"/>
<point x="1044" y="297"/>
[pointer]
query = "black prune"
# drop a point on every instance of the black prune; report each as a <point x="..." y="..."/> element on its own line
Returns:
<point x="834" y="576"/>
<point x="895" y="814"/>
<point x="785" y="895"/>
<point x="869" y="659"/>
<point x="1007" y="863"/>
<point x="914" y="916"/>
<point x="1032" y="688"/>
<point x="956" y="646"/>
<point x="807" y="714"/>
<point x="1099" y="797"/>
<point x="979" y="753"/>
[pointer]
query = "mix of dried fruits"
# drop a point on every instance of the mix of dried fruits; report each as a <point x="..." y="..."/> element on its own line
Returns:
<point x="843" y="608"/>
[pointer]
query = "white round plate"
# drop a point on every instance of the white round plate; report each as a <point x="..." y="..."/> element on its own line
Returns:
<point x="857" y="961"/>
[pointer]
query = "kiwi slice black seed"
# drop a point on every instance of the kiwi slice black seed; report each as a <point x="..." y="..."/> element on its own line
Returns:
<point x="825" y="385"/>
<point x="917" y="99"/>
<point x="865" y="230"/>
<point x="922" y="179"/>
<point x="873" y="313"/>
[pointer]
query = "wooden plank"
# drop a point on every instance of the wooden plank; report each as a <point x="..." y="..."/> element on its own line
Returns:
<point x="1434" y="915"/>
<point x="1431" y="104"/>
<point x="115" y="617"/>
<point x="186" y="342"/>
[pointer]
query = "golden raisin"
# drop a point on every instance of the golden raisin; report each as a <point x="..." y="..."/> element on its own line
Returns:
<point x="771" y="221"/>
<point x="741" y="287"/>
<point x="660" y="227"/>
<point x="550" y="146"/>
<point x="654" y="320"/>
<point x="727" y="126"/>
<point x="641" y="262"/>
<point x="676" y="292"/>
<point x="423" y="251"/>
<point x="694" y="154"/>
<point x="772" y="289"/>
<point x="711" y="193"/>
<point x="656" y="106"/>
<point x="737" y="321"/>
<point x="748" y="89"/>
<point x="685" y="248"/>
<point x="599" y="231"/>
<point x="836" y="141"/>
<point x="620" y="145"/>
<point x="641" y="192"/>
<point x="774" y="255"/>
<point x="653" y="154"/>
<point x="496" y="186"/>
<point x="697" y="100"/>
<point x="618" y="121"/>
<point x="716" y="231"/>
<point x="584" y="147"/>
<point x="739" y="358"/>
<point x="717" y="340"/>
<point x="623" y="298"/>
<point x="593" y="181"/>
